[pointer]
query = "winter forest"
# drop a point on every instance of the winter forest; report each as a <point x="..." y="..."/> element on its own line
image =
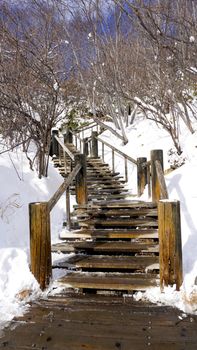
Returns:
<point x="106" y="59"/>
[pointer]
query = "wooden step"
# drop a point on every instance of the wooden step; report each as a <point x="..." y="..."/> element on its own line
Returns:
<point x="123" y="204"/>
<point x="111" y="234"/>
<point x="109" y="281"/>
<point x="110" y="246"/>
<point x="121" y="222"/>
<point x="104" y="262"/>
<point x="107" y="196"/>
<point x="106" y="191"/>
<point x="107" y="212"/>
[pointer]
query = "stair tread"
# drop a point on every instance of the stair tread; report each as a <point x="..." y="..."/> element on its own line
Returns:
<point x="123" y="204"/>
<point x="103" y="246"/>
<point x="109" y="281"/>
<point x="109" y="262"/>
<point x="119" y="212"/>
<point x="113" y="221"/>
<point x="112" y="234"/>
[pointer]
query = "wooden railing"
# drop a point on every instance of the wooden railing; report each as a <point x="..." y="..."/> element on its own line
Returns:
<point x="95" y="151"/>
<point x="39" y="218"/>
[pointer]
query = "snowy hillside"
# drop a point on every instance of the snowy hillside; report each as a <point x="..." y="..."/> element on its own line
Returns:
<point x="19" y="186"/>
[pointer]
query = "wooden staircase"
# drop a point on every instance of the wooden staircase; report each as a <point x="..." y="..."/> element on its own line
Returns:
<point x="116" y="247"/>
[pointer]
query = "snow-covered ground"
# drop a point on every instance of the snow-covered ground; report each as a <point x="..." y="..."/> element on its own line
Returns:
<point x="20" y="186"/>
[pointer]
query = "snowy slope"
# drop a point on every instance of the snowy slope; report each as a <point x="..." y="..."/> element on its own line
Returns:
<point x="19" y="186"/>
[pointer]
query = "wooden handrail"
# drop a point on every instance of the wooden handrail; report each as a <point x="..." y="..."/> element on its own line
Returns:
<point x="54" y="199"/>
<point x="118" y="151"/>
<point x="89" y="126"/>
<point x="161" y="179"/>
<point x="71" y="155"/>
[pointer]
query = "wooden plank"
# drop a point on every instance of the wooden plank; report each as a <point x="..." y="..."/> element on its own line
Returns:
<point x="100" y="323"/>
<point x="121" y="212"/>
<point x="65" y="148"/>
<point x="121" y="222"/>
<point x="109" y="281"/>
<point x="109" y="262"/>
<point x="112" y="234"/>
<point x="161" y="179"/>
<point x="103" y="246"/>
<point x="40" y="243"/>
<point x="54" y="199"/>
<point x="170" y="243"/>
<point x="141" y="175"/>
<point x="123" y="204"/>
<point x="156" y="191"/>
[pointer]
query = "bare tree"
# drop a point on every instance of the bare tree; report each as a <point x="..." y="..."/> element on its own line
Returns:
<point x="32" y="74"/>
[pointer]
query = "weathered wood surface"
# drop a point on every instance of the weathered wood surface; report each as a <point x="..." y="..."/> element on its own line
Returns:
<point x="113" y="281"/>
<point x="94" y="151"/>
<point x="81" y="180"/>
<point x="65" y="148"/>
<point x="122" y="222"/>
<point x="104" y="262"/>
<point x="103" y="246"/>
<point x="127" y="212"/>
<point x="156" y="155"/>
<point x="170" y="243"/>
<point x="142" y="179"/>
<point x="54" y="199"/>
<point x="161" y="179"/>
<point x="111" y="234"/>
<point x="95" y="322"/>
<point x="40" y="242"/>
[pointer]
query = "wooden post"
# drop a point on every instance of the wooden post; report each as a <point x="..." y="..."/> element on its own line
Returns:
<point x="68" y="137"/>
<point x="142" y="175"/>
<point x="68" y="219"/>
<point x="170" y="248"/>
<point x="55" y="145"/>
<point x="156" y="155"/>
<point x="94" y="144"/>
<point x="40" y="242"/>
<point x="81" y="180"/>
<point x="85" y="146"/>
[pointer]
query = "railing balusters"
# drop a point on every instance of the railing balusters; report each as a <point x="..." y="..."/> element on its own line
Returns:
<point x="68" y="216"/>
<point x="126" y="169"/>
<point x="103" y="152"/>
<point x="113" y="161"/>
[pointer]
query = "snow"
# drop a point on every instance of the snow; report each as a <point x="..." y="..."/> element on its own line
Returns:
<point x="20" y="186"/>
<point x="191" y="39"/>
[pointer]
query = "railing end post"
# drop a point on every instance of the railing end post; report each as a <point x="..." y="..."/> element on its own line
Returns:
<point x="170" y="247"/>
<point x="142" y="178"/>
<point x="40" y="242"/>
<point x="81" y="180"/>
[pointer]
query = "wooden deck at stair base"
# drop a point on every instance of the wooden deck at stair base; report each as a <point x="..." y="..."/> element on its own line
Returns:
<point x="123" y="282"/>
<point x="112" y="234"/>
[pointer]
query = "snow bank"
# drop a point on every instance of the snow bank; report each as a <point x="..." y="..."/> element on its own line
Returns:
<point x="19" y="187"/>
